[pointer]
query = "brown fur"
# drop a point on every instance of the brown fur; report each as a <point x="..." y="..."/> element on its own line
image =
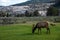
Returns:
<point x="40" y="25"/>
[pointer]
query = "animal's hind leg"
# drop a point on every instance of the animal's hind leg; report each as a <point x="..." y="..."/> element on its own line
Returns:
<point x="48" y="30"/>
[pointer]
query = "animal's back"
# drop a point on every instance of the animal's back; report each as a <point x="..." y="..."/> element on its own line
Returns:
<point x="42" y="24"/>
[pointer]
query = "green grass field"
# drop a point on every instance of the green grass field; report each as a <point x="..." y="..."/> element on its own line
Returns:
<point x="23" y="32"/>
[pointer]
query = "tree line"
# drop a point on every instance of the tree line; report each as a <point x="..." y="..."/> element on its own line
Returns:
<point x="51" y="11"/>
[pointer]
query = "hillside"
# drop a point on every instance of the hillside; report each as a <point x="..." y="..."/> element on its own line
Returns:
<point x="33" y="2"/>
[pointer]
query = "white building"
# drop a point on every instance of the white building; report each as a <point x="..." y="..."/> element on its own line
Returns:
<point x="42" y="13"/>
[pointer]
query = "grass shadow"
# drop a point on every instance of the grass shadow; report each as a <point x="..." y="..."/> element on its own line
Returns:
<point x="30" y="34"/>
<point x="26" y="34"/>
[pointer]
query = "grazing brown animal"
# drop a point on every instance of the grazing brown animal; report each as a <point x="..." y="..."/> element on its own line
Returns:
<point x="52" y="24"/>
<point x="40" y="25"/>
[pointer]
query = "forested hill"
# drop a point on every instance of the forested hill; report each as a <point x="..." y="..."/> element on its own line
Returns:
<point x="33" y="1"/>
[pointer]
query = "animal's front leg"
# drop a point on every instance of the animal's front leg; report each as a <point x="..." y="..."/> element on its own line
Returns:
<point x="48" y="30"/>
<point x="39" y="30"/>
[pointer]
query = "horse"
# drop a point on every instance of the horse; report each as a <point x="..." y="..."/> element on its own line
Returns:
<point x="40" y="25"/>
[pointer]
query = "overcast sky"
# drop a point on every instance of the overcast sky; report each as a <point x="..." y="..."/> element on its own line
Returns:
<point x="10" y="2"/>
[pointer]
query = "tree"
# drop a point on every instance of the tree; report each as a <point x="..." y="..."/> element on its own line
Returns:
<point x="57" y="3"/>
<point x="36" y="13"/>
<point x="2" y="13"/>
<point x="27" y="14"/>
<point x="52" y="11"/>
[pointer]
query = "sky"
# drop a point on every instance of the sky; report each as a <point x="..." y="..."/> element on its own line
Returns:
<point x="10" y="2"/>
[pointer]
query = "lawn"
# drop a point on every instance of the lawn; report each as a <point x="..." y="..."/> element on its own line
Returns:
<point x="23" y="32"/>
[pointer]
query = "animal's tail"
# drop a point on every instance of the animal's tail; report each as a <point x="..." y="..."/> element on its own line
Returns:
<point x="34" y="28"/>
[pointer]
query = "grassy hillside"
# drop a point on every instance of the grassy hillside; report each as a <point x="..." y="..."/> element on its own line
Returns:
<point x="23" y="32"/>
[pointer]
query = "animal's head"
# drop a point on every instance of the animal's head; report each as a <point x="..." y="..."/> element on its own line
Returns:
<point x="33" y="28"/>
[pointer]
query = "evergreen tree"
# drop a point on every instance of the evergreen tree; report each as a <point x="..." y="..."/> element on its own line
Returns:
<point x="27" y="14"/>
<point x="52" y="11"/>
<point x="36" y="13"/>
